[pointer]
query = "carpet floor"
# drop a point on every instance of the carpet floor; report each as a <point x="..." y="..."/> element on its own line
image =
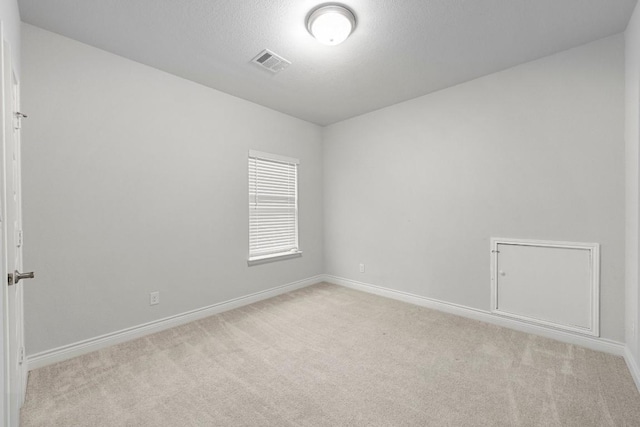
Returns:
<point x="331" y="356"/>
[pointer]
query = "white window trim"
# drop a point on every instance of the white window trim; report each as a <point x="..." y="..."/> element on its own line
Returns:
<point x="262" y="259"/>
<point x="276" y="157"/>
<point x="273" y="257"/>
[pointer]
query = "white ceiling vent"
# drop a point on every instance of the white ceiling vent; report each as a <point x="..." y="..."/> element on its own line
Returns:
<point x="271" y="61"/>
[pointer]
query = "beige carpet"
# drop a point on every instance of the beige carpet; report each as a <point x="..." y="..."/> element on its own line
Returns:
<point x="330" y="356"/>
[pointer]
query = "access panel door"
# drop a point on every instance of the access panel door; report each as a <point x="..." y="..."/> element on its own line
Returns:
<point x="549" y="283"/>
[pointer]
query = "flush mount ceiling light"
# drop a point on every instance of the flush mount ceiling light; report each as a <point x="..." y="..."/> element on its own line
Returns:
<point x="331" y="24"/>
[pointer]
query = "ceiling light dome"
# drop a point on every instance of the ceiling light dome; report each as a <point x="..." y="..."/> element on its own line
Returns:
<point x="331" y="24"/>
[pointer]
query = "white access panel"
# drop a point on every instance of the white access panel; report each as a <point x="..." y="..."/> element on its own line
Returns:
<point x="550" y="283"/>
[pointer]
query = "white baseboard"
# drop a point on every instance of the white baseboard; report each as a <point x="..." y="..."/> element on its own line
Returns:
<point x="633" y="366"/>
<point x="593" y="343"/>
<point x="69" y="351"/>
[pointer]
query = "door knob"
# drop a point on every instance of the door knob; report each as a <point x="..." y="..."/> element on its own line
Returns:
<point x="17" y="276"/>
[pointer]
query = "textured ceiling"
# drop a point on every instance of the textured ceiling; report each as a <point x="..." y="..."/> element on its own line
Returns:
<point x="401" y="49"/>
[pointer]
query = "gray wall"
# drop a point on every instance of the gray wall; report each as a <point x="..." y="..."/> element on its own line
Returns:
<point x="416" y="190"/>
<point x="632" y="140"/>
<point x="135" y="181"/>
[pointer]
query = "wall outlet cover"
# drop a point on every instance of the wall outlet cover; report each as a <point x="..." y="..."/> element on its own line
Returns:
<point x="154" y="298"/>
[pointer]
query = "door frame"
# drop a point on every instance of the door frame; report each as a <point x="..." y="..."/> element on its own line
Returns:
<point x="5" y="409"/>
<point x="17" y="126"/>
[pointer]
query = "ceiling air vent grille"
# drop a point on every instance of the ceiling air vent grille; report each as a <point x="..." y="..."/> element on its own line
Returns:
<point x="270" y="61"/>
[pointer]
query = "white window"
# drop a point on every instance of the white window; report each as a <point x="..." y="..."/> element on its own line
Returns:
<point x="273" y="207"/>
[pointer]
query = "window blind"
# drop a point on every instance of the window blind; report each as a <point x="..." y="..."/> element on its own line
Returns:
<point x="273" y="205"/>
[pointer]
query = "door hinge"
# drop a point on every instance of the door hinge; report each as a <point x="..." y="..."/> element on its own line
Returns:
<point x="18" y="121"/>
<point x="21" y="356"/>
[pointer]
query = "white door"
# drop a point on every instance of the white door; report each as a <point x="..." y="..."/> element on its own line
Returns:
<point x="15" y="373"/>
<point x="550" y="283"/>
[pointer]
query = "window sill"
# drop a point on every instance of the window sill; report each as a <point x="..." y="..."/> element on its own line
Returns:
<point x="273" y="257"/>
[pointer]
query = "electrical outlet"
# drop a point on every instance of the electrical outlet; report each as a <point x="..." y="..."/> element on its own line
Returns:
<point x="361" y="268"/>
<point x="154" y="298"/>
